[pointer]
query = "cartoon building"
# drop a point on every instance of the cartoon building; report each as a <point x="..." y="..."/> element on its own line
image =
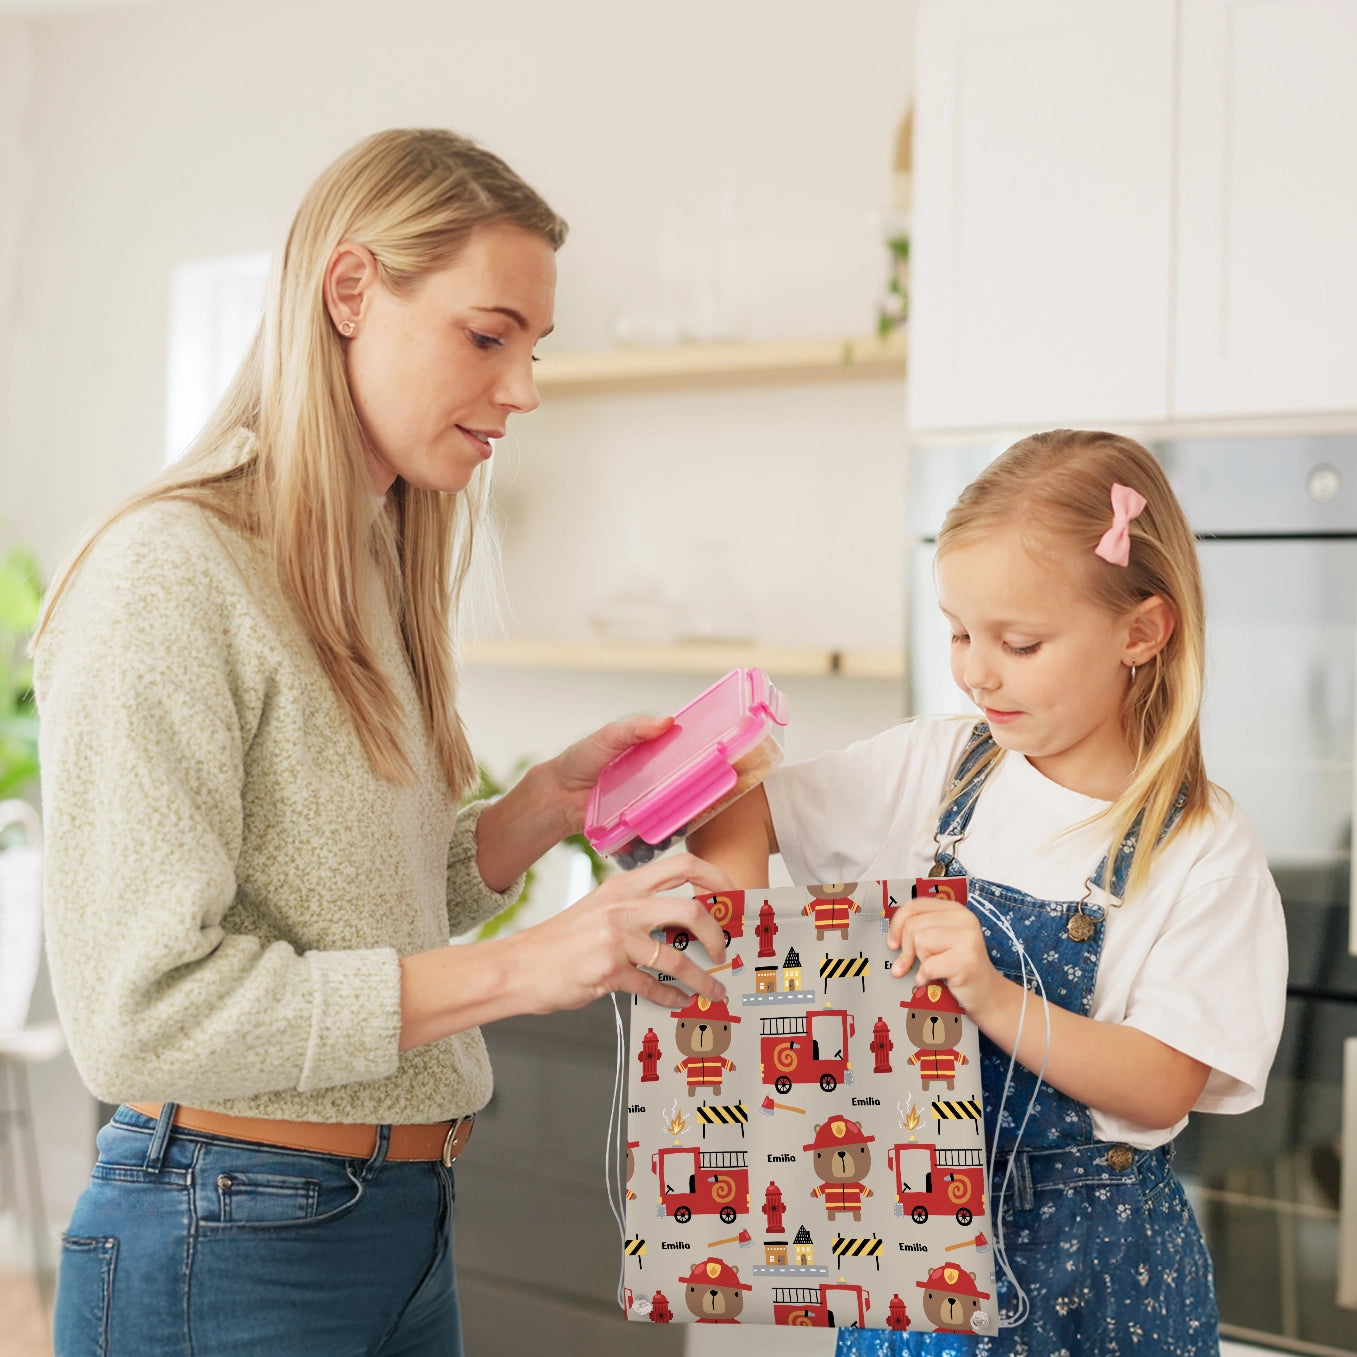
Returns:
<point x="791" y="970"/>
<point x="803" y="1249"/>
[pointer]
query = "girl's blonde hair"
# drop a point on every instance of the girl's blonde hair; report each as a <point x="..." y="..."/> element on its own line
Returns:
<point x="300" y="484"/>
<point x="1056" y="489"/>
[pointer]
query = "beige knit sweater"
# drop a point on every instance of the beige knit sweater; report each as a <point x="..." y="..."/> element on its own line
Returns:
<point x="228" y="886"/>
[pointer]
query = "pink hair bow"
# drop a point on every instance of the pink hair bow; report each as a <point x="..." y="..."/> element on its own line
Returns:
<point x="1115" y="544"/>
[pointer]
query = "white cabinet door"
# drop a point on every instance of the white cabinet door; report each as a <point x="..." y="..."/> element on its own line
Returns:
<point x="1042" y="243"/>
<point x="1267" y="189"/>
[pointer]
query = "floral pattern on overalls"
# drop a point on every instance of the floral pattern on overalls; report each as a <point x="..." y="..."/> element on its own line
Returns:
<point x="1100" y="1237"/>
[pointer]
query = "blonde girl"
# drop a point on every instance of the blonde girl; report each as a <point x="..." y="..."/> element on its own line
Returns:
<point x="1078" y="809"/>
<point x="252" y="767"/>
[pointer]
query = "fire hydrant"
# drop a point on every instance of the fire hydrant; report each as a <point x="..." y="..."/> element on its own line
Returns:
<point x="649" y="1056"/>
<point x="766" y="930"/>
<point x="773" y="1208"/>
<point x="660" y="1313"/>
<point x="898" y="1318"/>
<point x="881" y="1047"/>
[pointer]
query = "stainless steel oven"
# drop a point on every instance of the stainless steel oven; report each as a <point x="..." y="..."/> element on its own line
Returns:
<point x="1277" y="526"/>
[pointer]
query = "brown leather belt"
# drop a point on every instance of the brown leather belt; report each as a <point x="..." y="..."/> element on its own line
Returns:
<point x="441" y="1140"/>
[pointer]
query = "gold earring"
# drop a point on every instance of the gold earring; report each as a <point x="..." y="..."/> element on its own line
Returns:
<point x="347" y="328"/>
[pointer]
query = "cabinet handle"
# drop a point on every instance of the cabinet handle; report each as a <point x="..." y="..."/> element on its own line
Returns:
<point x="1347" y="1214"/>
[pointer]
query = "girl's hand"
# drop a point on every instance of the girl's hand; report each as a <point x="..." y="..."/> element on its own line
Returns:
<point x="602" y="942"/>
<point x="945" y="938"/>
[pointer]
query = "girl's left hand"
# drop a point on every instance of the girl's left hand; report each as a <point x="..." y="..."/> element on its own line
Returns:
<point x="945" y="938"/>
<point x="575" y="770"/>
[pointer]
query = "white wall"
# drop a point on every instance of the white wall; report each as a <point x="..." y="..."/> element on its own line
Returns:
<point x="749" y="142"/>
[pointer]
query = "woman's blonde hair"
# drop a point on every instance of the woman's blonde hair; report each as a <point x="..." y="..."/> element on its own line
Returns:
<point x="301" y="486"/>
<point x="1055" y="488"/>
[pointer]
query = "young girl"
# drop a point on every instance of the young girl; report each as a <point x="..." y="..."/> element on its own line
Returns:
<point x="1079" y="812"/>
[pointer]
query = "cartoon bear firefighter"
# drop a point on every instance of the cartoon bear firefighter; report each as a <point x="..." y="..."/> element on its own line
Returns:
<point x="703" y="1034"/>
<point x="842" y="1161"/>
<point x="933" y="1024"/>
<point x="713" y="1292"/>
<point x="832" y="907"/>
<point x="951" y="1299"/>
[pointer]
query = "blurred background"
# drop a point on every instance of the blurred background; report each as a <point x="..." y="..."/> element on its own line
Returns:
<point x="1135" y="215"/>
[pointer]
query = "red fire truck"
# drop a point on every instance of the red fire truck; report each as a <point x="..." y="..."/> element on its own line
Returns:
<point x="929" y="1179"/>
<point x="809" y="1306"/>
<point x="727" y="909"/>
<point x="810" y="1048"/>
<point x="697" y="1182"/>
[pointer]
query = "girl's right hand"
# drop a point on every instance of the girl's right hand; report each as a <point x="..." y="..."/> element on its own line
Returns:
<point x="603" y="942"/>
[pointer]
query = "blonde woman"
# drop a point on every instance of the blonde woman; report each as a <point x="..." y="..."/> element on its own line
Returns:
<point x="252" y="767"/>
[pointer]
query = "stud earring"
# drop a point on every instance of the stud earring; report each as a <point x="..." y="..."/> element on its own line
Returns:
<point x="347" y="328"/>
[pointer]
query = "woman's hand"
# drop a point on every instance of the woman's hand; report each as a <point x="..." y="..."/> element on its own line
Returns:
<point x="549" y="802"/>
<point x="575" y="769"/>
<point x="945" y="937"/>
<point x="600" y="944"/>
<point x="603" y="942"/>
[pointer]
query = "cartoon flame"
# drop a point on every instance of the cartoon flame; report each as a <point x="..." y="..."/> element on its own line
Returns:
<point x="909" y="1115"/>
<point x="675" y="1122"/>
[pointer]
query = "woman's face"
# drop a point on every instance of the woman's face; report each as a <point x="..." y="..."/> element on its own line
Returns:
<point x="436" y="372"/>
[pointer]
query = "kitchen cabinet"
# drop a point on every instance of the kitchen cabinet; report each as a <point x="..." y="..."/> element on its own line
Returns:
<point x="1133" y="213"/>
<point x="1267" y="197"/>
<point x="1041" y="252"/>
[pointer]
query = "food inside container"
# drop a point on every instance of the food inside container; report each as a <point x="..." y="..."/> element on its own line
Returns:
<point x="722" y="744"/>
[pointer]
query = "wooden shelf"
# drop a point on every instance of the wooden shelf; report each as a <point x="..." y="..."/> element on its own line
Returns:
<point x="697" y="657"/>
<point x="716" y="365"/>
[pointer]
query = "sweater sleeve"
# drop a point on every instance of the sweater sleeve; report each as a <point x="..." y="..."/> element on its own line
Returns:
<point x="470" y="900"/>
<point x="148" y="702"/>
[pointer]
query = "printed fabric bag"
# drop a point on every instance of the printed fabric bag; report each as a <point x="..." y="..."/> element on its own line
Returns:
<point x="810" y="1151"/>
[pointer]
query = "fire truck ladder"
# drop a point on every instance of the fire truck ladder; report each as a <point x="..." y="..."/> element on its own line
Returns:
<point x="961" y="1159"/>
<point x="725" y="1159"/>
<point x="797" y="1295"/>
<point x="782" y="1027"/>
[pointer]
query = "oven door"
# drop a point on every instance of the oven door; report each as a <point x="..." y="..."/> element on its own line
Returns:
<point x="1267" y="1188"/>
<point x="1278" y="731"/>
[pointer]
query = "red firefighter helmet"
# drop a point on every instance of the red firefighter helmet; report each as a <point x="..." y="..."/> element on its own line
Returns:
<point x="837" y="1131"/>
<point x="933" y="997"/>
<point x="714" y="1272"/>
<point x="699" y="1006"/>
<point x="954" y="1278"/>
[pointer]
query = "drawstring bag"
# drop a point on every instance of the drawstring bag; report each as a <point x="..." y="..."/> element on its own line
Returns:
<point x="810" y="1151"/>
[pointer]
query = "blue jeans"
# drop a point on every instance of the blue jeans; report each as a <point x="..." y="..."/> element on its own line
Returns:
<point x="192" y="1245"/>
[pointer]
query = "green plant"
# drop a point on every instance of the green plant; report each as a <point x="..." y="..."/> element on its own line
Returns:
<point x="488" y="786"/>
<point x="894" y="309"/>
<point x="20" y="603"/>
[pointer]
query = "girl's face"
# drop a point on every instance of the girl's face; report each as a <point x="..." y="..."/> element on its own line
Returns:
<point x="1045" y="664"/>
<point x="436" y="372"/>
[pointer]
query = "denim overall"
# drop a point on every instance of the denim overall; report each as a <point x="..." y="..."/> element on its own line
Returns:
<point x="1099" y="1236"/>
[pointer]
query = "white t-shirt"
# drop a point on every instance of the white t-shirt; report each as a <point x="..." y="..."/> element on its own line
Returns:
<point x="1197" y="959"/>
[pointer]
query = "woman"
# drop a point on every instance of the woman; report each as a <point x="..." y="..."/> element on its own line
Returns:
<point x="252" y="766"/>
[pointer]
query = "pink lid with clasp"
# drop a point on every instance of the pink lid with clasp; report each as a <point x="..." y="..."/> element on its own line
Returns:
<point x="656" y="788"/>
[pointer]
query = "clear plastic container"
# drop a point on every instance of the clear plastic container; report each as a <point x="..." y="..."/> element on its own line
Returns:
<point x="722" y="744"/>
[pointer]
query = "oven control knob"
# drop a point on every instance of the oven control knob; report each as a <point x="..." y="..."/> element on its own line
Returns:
<point x="1322" y="484"/>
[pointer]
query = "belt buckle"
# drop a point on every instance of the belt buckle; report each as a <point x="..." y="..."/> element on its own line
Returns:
<point x="450" y="1148"/>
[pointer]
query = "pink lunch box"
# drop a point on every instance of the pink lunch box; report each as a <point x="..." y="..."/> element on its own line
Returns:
<point x="724" y="742"/>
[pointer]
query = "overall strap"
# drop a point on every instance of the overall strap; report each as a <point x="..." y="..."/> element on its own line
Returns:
<point x="955" y="816"/>
<point x="1121" y="866"/>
